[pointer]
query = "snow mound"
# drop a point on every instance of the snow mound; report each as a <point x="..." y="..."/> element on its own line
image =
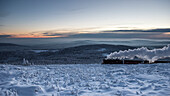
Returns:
<point x="85" y="80"/>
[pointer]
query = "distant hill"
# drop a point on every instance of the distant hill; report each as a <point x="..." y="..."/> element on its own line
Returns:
<point x="84" y="54"/>
<point x="97" y="47"/>
<point x="8" y="44"/>
<point x="87" y="54"/>
<point x="11" y="47"/>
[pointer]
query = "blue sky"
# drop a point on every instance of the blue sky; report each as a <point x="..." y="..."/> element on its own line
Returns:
<point x="85" y="18"/>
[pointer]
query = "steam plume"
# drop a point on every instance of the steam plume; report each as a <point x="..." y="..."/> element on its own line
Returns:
<point x="143" y="53"/>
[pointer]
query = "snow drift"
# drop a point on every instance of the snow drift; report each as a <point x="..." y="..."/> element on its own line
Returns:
<point x="142" y="53"/>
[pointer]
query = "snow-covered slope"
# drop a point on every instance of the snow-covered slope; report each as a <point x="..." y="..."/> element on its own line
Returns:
<point x="85" y="80"/>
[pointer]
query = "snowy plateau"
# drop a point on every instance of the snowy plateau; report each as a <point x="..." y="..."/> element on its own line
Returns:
<point x="85" y="80"/>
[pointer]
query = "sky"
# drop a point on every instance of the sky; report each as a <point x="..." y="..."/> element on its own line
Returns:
<point x="142" y="19"/>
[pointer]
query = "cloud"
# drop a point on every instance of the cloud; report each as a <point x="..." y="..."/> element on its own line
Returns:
<point x="2" y="26"/>
<point x="5" y="36"/>
<point x="51" y="34"/>
<point x="159" y="33"/>
<point x="109" y="35"/>
<point x="116" y="35"/>
<point x="149" y="30"/>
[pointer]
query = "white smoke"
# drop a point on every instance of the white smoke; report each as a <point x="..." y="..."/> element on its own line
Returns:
<point x="142" y="53"/>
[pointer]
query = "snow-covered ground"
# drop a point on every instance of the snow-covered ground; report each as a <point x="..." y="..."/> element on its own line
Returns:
<point x="85" y="80"/>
